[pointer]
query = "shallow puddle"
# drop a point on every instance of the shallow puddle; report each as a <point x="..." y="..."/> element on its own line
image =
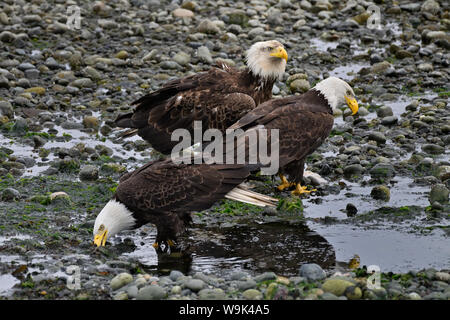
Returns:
<point x="404" y="192"/>
<point x="391" y="250"/>
<point x="7" y="282"/>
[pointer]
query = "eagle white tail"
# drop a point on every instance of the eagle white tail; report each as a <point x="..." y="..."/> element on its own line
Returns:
<point x="242" y="194"/>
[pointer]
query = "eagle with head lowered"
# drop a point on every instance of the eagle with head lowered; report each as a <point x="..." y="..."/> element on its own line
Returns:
<point x="164" y="193"/>
<point x="217" y="97"/>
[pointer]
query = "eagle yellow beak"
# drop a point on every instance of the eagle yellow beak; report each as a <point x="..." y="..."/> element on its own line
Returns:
<point x="100" y="238"/>
<point x="279" y="52"/>
<point x="352" y="104"/>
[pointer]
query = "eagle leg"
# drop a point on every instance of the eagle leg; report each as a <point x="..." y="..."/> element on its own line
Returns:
<point x="299" y="190"/>
<point x="284" y="183"/>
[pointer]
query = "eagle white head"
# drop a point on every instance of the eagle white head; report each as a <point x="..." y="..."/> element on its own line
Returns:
<point x="267" y="59"/>
<point x="113" y="218"/>
<point x="337" y="92"/>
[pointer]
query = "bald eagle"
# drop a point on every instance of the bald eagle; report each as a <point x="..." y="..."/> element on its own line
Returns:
<point x="164" y="193"/>
<point x="217" y="97"/>
<point x="304" y="122"/>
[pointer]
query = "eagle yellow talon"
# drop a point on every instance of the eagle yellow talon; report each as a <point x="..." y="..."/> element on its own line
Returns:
<point x="284" y="183"/>
<point x="299" y="190"/>
<point x="171" y="243"/>
<point x="155" y="245"/>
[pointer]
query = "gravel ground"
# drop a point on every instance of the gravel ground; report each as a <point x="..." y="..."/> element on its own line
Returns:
<point x="387" y="168"/>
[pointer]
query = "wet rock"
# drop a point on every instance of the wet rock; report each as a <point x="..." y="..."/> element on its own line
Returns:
<point x="274" y="16"/>
<point x="4" y="82"/>
<point x="437" y="206"/>
<point x="211" y="294"/>
<point x="380" y="67"/>
<point x="120" y="280"/>
<point x="182" y="13"/>
<point x="89" y="173"/>
<point x="265" y="276"/>
<point x="353" y="293"/>
<point x="351" y="210"/>
<point x="6" y="109"/>
<point x="10" y="194"/>
<point x="443" y="172"/>
<point x="382" y="170"/>
<point x="195" y="284"/>
<point x="82" y="83"/>
<point x="336" y="286"/>
<point x="238" y="275"/>
<point x="7" y="36"/>
<point x="175" y="290"/>
<point x="152" y="292"/>
<point x="122" y="54"/>
<point x="425" y="67"/>
<point x="108" y="168"/>
<point x="328" y="296"/>
<point x="312" y="272"/>
<point x="204" y="55"/>
<point x="442" y="276"/>
<point x="207" y="26"/>
<point x="378" y="137"/>
<point x="182" y="58"/>
<point x="91" y="122"/>
<point x="430" y="6"/>
<point x="353" y="170"/>
<point x="388" y="121"/>
<point x="238" y="17"/>
<point x="36" y="90"/>
<point x="92" y="73"/>
<point x="170" y="65"/>
<point x="381" y="193"/>
<point x="58" y="195"/>
<point x="433" y="149"/>
<point x="255" y="32"/>
<point x="121" y="296"/>
<point x="414" y="296"/>
<point x="384" y="111"/>
<point x="439" y="193"/>
<point x="299" y="85"/>
<point x="247" y="284"/>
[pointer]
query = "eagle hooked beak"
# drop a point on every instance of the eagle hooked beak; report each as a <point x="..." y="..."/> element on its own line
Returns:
<point x="100" y="237"/>
<point x="352" y="104"/>
<point x="279" y="52"/>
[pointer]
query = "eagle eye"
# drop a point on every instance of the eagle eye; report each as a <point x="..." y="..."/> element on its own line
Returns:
<point x="101" y="228"/>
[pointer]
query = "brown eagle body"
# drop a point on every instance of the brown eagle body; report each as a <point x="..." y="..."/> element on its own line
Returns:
<point x="217" y="97"/>
<point x="304" y="122"/>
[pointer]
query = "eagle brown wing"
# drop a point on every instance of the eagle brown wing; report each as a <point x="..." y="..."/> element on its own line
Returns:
<point x="303" y="123"/>
<point x="214" y="97"/>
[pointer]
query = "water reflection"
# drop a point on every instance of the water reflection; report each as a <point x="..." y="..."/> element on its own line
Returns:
<point x="277" y="247"/>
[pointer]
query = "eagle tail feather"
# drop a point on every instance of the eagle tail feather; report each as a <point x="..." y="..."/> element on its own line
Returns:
<point x="127" y="133"/>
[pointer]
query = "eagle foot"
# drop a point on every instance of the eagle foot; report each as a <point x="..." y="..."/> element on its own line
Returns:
<point x="284" y="183"/>
<point x="299" y="190"/>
